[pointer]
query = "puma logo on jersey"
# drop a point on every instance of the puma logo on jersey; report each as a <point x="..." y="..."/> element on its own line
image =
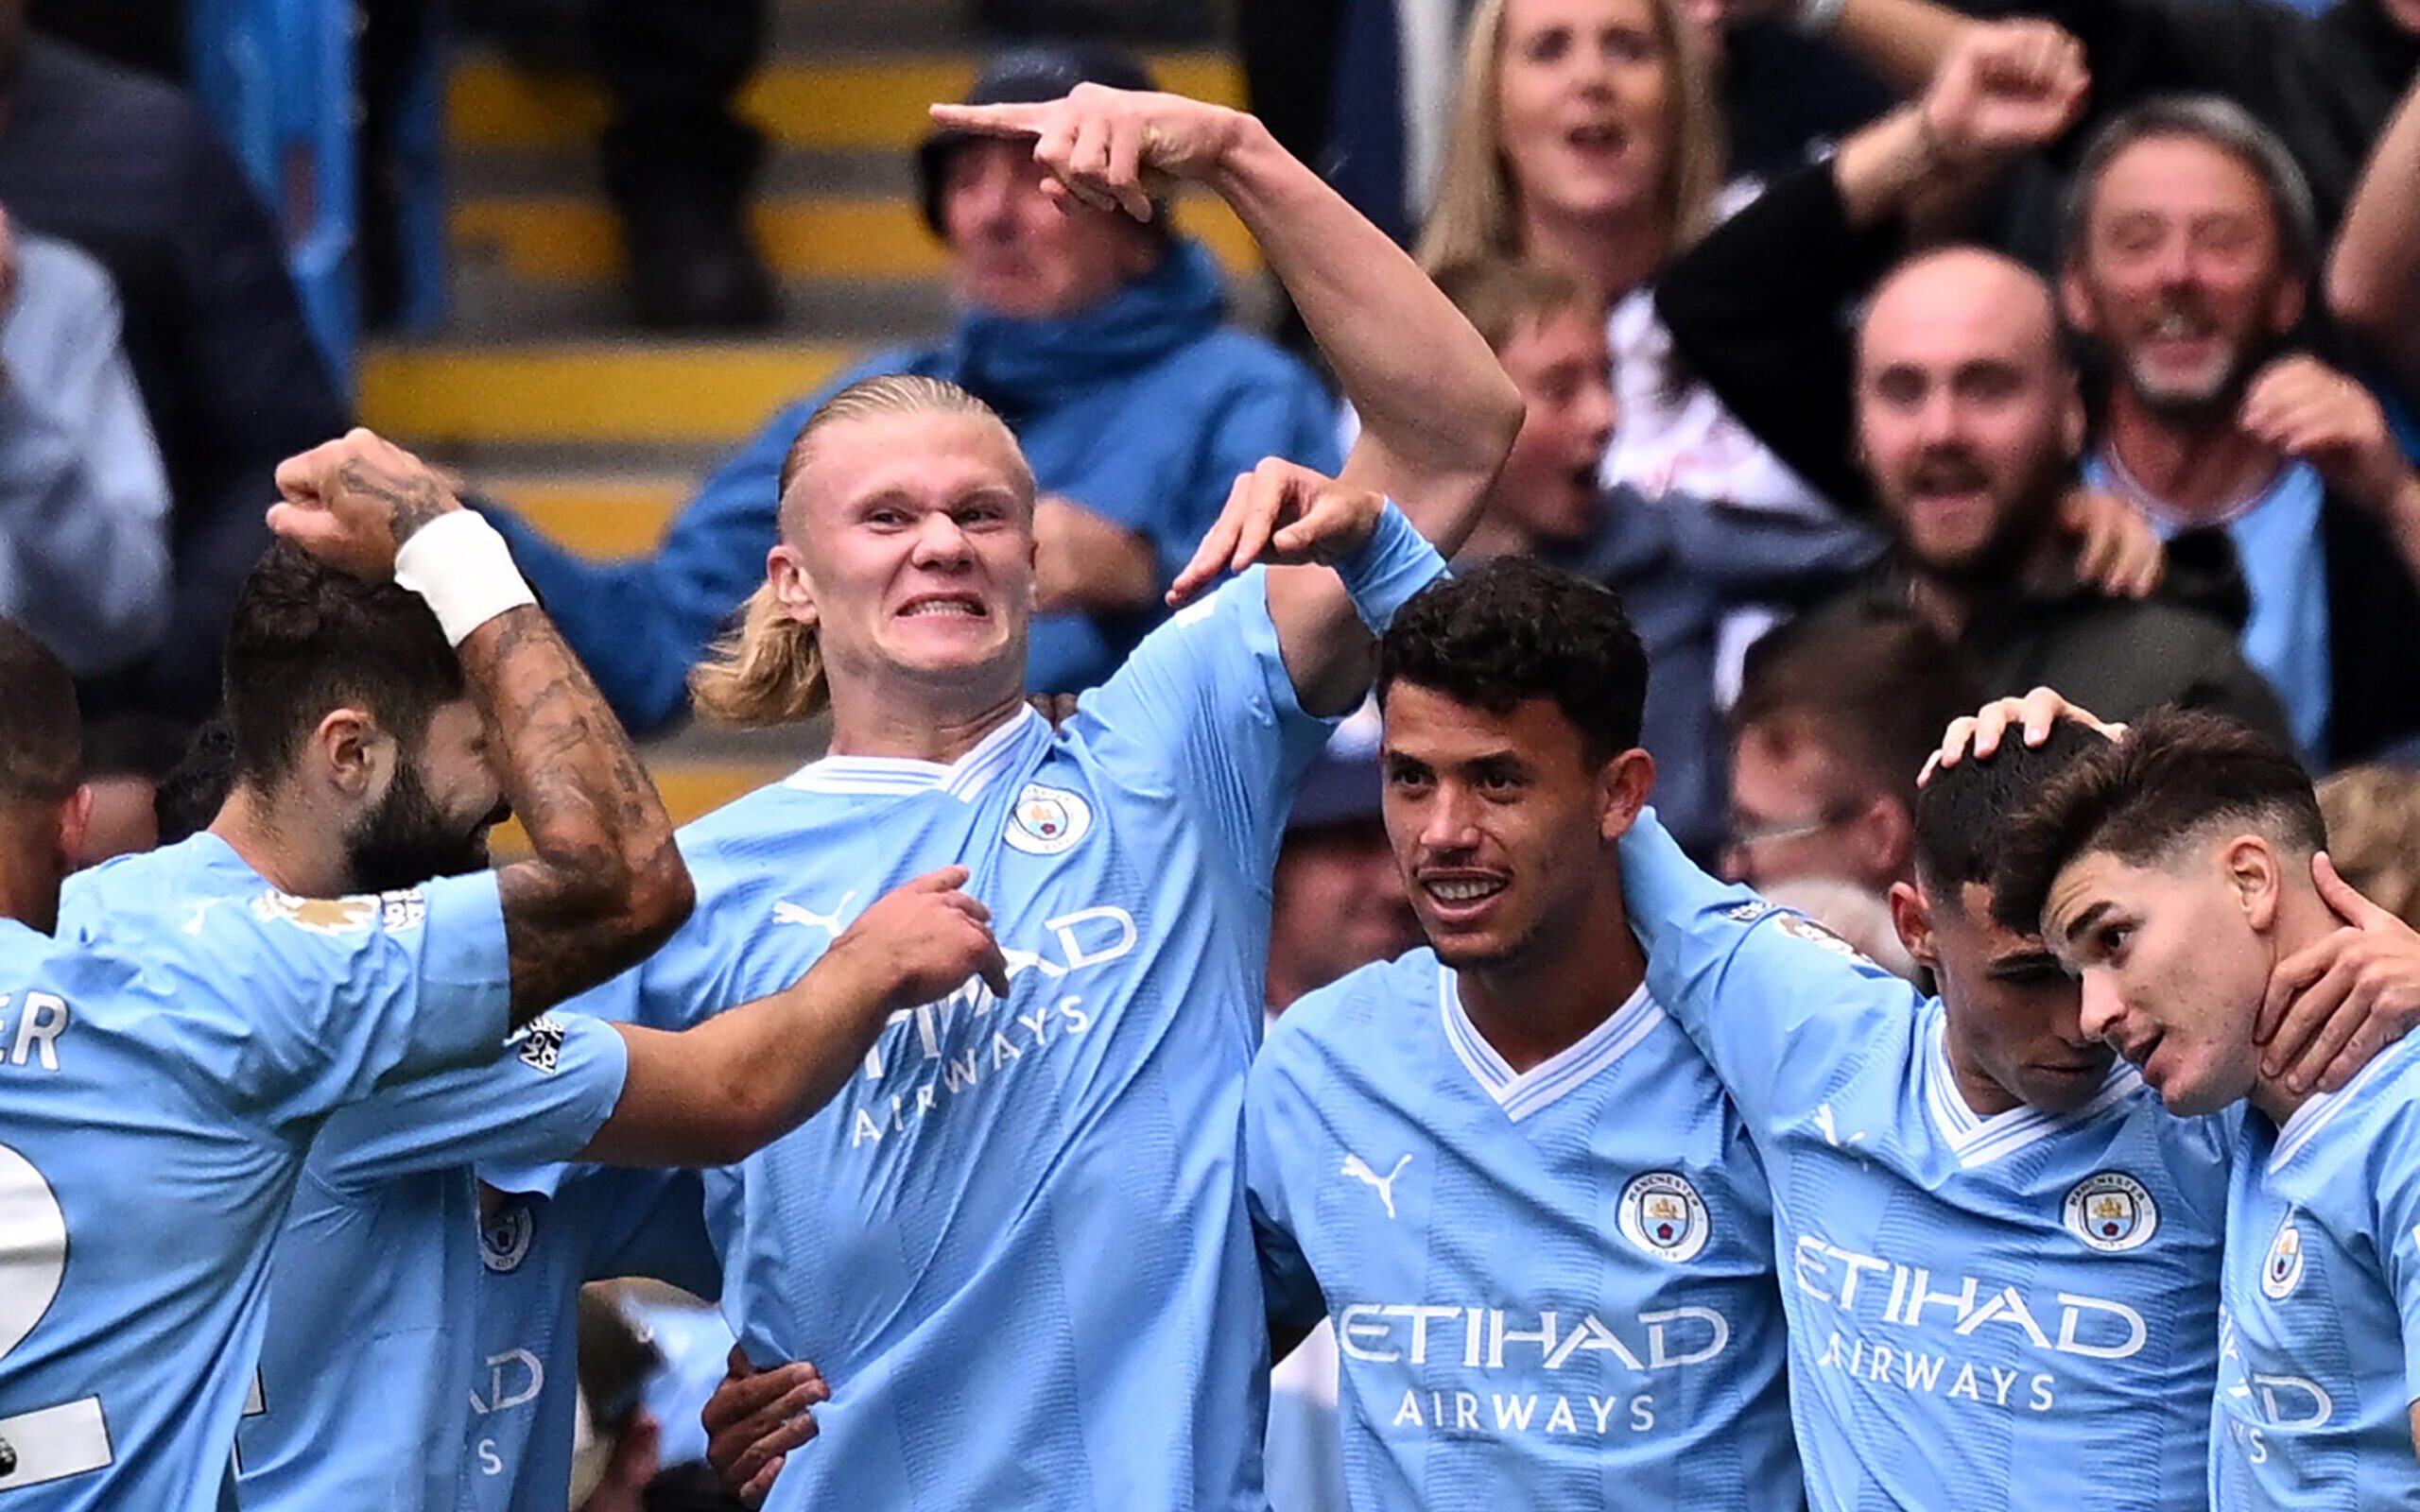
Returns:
<point x="829" y="923"/>
<point x="1359" y="1170"/>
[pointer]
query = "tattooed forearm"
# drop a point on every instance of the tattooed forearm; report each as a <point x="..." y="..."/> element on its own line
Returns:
<point x="607" y="883"/>
<point x="414" y="496"/>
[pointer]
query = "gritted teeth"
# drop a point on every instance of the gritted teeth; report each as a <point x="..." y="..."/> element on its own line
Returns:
<point x="1461" y="890"/>
<point x="969" y="608"/>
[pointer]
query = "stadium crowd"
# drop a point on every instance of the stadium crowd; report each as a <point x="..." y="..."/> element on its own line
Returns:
<point x="1738" y="837"/>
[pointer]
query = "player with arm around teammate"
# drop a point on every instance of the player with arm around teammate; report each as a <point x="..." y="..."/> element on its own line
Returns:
<point x="159" y="1108"/>
<point x="2180" y="871"/>
<point x="363" y="767"/>
<point x="1017" y="1242"/>
<point x="1995" y="1244"/>
<point x="1495" y="1165"/>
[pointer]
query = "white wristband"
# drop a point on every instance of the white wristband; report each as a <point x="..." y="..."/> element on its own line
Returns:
<point x="461" y="567"/>
<point x="1816" y="17"/>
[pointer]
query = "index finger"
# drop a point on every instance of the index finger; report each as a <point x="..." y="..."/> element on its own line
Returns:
<point x="2287" y="1020"/>
<point x="993" y="120"/>
<point x="1210" y="557"/>
<point x="940" y="879"/>
<point x="994" y="967"/>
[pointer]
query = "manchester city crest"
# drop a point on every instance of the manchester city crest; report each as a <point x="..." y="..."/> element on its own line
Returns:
<point x="504" y="1240"/>
<point x="1662" y="1213"/>
<point x="2281" y="1271"/>
<point x="2111" y="1212"/>
<point x="1047" y="821"/>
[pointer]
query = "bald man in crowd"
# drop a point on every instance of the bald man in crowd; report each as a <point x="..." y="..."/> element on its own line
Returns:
<point x="1970" y="420"/>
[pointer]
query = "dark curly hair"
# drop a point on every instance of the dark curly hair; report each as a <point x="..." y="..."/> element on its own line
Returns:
<point x="2178" y="774"/>
<point x="307" y="640"/>
<point x="1514" y="628"/>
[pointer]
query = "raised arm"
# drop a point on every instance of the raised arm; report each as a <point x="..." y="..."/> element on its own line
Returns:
<point x="2374" y="274"/>
<point x="606" y="884"/>
<point x="716" y="1093"/>
<point x="1438" y="413"/>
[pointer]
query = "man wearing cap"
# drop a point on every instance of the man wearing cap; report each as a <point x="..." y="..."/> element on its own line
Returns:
<point x="1077" y="324"/>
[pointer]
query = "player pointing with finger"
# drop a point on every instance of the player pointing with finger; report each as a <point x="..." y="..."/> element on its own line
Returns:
<point x="1015" y="1243"/>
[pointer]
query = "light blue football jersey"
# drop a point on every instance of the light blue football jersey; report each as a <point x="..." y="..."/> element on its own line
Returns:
<point x="1015" y="1243"/>
<point x="2013" y="1312"/>
<point x="153" y="1124"/>
<point x="2321" y="1357"/>
<point x="1559" y="1283"/>
<point x="538" y="1249"/>
<point x="357" y="1401"/>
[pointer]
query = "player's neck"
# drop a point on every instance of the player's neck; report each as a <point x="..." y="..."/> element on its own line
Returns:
<point x="2303" y="920"/>
<point x="905" y="728"/>
<point x="1535" y="1007"/>
<point x="307" y="859"/>
<point x="1982" y="1096"/>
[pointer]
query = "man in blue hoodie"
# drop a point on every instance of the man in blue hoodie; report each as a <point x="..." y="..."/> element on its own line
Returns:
<point x="1099" y="339"/>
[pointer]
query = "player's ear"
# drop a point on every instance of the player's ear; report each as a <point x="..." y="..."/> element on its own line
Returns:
<point x="786" y="574"/>
<point x="2256" y="874"/>
<point x="1911" y="915"/>
<point x="354" y="754"/>
<point x="1622" y="786"/>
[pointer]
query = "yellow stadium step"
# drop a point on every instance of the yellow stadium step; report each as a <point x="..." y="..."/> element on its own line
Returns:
<point x="566" y="238"/>
<point x="864" y="104"/>
<point x="602" y="517"/>
<point x="593" y="391"/>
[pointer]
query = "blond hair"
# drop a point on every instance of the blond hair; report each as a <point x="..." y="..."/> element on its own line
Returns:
<point x="769" y="670"/>
<point x="1477" y="211"/>
<point x="1499" y="295"/>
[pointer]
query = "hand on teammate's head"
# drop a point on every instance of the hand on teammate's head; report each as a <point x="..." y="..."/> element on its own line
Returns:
<point x="355" y="501"/>
<point x="2033" y="714"/>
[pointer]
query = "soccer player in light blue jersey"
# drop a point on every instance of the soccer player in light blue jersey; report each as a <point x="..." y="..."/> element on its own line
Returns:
<point x="1995" y="1247"/>
<point x="1506" y="1177"/>
<point x="364" y="1375"/>
<point x="1017" y="1242"/>
<point x="538" y="1247"/>
<point x="158" y="1109"/>
<point x="2179" y="870"/>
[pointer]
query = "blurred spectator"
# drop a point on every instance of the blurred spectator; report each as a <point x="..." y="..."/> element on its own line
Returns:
<point x="2324" y="84"/>
<point x="2374" y="275"/>
<point x="2206" y="425"/>
<point x="126" y="759"/>
<point x="1835" y="719"/>
<point x="130" y="170"/>
<point x="188" y="798"/>
<point x="1587" y="136"/>
<point x="1969" y="418"/>
<point x="1977" y="482"/>
<point x="2373" y="815"/>
<point x="1681" y="567"/>
<point x="1858" y="914"/>
<point x="614" y="1436"/>
<point x="1078" y="324"/>
<point x="83" y="502"/>
<point x="679" y="160"/>
<point x="1338" y="901"/>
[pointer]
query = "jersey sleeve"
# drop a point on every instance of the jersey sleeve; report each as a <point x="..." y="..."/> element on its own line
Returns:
<point x="1775" y="1002"/>
<point x="1203" y="713"/>
<point x="2396" y="1194"/>
<point x="343" y="996"/>
<point x="1275" y="1134"/>
<point x="541" y="1099"/>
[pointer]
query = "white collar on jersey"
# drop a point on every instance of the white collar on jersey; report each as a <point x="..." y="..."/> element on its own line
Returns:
<point x="1521" y="1094"/>
<point x="2321" y="1110"/>
<point x="1978" y="1140"/>
<point x="899" y="776"/>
